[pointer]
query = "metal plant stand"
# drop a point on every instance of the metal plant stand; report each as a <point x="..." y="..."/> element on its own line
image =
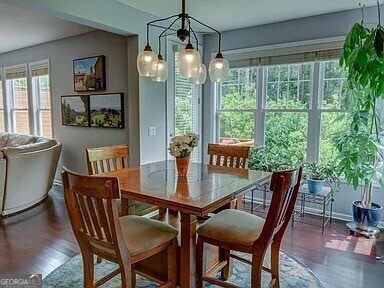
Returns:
<point x="324" y="198"/>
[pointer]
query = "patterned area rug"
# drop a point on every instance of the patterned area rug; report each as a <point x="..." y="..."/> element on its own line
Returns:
<point x="292" y="274"/>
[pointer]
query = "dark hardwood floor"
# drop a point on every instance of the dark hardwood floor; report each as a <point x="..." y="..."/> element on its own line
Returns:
<point x="40" y="240"/>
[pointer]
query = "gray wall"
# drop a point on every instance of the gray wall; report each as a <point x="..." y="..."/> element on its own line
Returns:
<point x="311" y="28"/>
<point x="61" y="53"/>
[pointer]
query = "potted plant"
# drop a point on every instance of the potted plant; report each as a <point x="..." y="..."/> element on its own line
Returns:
<point x="360" y="148"/>
<point x="317" y="174"/>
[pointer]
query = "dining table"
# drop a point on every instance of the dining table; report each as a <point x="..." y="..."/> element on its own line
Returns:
<point x="205" y="189"/>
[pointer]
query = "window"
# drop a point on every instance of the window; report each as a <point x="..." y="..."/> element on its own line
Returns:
<point x="183" y="97"/>
<point x="27" y="108"/>
<point x="332" y="106"/>
<point x="41" y="94"/>
<point x="237" y="104"/>
<point x="292" y="109"/>
<point x="17" y="95"/>
<point x="287" y="103"/>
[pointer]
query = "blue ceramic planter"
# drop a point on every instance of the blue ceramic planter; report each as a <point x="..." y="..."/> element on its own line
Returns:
<point x="315" y="186"/>
<point x="366" y="218"/>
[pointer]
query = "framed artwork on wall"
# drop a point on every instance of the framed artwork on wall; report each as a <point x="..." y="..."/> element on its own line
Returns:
<point x="107" y="110"/>
<point x="89" y="74"/>
<point x="75" y="110"/>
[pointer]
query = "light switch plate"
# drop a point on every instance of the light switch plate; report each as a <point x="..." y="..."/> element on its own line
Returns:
<point x="152" y="131"/>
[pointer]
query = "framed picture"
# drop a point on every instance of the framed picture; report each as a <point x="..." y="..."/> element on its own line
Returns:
<point x="89" y="74"/>
<point x="75" y="110"/>
<point x="107" y="110"/>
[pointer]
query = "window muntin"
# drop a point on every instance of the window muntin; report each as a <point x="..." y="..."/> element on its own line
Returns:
<point x="288" y="86"/>
<point x="240" y="90"/>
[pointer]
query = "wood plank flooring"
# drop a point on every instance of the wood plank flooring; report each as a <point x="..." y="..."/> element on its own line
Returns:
<point x="41" y="239"/>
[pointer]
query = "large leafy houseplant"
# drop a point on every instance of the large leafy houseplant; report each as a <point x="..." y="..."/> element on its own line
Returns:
<point x="360" y="147"/>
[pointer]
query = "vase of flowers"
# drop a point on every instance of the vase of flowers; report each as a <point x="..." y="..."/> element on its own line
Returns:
<point x="181" y="147"/>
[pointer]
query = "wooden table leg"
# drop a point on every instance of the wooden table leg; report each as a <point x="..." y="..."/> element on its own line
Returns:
<point x="188" y="251"/>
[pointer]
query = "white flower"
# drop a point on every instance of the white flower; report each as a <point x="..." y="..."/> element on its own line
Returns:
<point x="182" y="146"/>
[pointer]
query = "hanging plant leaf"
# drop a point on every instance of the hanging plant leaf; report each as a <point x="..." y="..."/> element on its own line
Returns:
<point x="379" y="42"/>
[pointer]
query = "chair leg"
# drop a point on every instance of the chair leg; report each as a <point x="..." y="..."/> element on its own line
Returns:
<point x="200" y="270"/>
<point x="172" y="265"/>
<point x="275" y="255"/>
<point x="88" y="268"/>
<point x="257" y="266"/>
<point x="127" y="276"/>
<point x="226" y="272"/>
<point x="133" y="280"/>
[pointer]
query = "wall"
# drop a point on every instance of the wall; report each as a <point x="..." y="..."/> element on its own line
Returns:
<point x="305" y="29"/>
<point x="61" y="54"/>
<point x="120" y="18"/>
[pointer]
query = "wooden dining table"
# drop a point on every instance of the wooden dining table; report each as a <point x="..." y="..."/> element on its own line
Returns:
<point x="205" y="189"/>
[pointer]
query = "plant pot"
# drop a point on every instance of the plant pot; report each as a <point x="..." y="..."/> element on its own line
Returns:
<point x="315" y="186"/>
<point x="182" y="165"/>
<point x="366" y="218"/>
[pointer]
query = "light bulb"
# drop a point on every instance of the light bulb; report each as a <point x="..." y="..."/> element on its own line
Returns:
<point x="189" y="57"/>
<point x="146" y="62"/>
<point x="148" y="58"/>
<point x="189" y="61"/>
<point x="219" y="65"/>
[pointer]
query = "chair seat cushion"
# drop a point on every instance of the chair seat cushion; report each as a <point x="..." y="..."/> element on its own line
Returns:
<point x="141" y="234"/>
<point x="233" y="226"/>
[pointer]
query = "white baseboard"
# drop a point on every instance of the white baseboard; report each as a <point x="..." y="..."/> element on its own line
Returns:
<point x="316" y="211"/>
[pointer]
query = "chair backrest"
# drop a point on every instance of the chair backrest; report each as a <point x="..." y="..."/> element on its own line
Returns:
<point x="105" y="159"/>
<point x="93" y="213"/>
<point x="228" y="155"/>
<point x="285" y="188"/>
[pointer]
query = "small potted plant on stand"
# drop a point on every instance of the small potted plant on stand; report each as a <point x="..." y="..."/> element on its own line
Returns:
<point x="181" y="147"/>
<point x="318" y="174"/>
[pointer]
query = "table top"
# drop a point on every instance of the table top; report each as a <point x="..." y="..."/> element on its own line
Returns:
<point x="205" y="188"/>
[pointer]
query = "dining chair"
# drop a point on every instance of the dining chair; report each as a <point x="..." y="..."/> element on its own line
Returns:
<point x="228" y="155"/>
<point x="110" y="158"/>
<point x="126" y="240"/>
<point x="234" y="230"/>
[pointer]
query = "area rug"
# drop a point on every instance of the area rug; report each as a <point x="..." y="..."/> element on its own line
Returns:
<point x="292" y="274"/>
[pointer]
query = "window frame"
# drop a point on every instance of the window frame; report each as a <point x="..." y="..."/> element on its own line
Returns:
<point x="33" y="99"/>
<point x="314" y="110"/>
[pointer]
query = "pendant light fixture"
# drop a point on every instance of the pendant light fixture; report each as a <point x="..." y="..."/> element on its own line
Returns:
<point x="190" y="65"/>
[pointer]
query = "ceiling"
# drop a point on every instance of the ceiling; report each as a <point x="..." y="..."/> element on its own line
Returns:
<point x="228" y="14"/>
<point x="20" y="28"/>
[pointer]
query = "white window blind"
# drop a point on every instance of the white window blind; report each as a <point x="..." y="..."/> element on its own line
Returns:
<point x="16" y="72"/>
<point x="287" y="55"/>
<point x="39" y="68"/>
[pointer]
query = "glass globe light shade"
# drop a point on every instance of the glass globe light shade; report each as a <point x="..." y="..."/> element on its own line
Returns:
<point x="201" y="76"/>
<point x="161" y="70"/>
<point x="218" y="69"/>
<point x="146" y="62"/>
<point x="189" y="62"/>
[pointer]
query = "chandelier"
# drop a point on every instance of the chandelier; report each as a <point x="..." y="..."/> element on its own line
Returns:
<point x="151" y="65"/>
